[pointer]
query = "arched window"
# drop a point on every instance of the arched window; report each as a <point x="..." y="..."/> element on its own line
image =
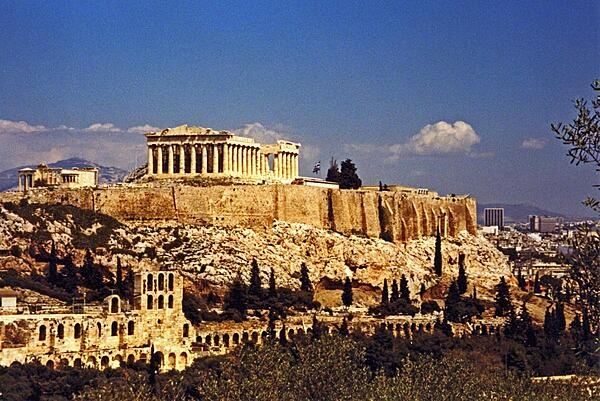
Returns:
<point x="99" y="326"/>
<point x="130" y="328"/>
<point x="161" y="282"/>
<point x="186" y="330"/>
<point x="114" y="329"/>
<point x="114" y="305"/>
<point x="161" y="302"/>
<point x="60" y="331"/>
<point x="42" y="334"/>
<point x="171" y="281"/>
<point x="170" y="302"/>
<point x="150" y="302"/>
<point x="77" y="330"/>
<point x="149" y="279"/>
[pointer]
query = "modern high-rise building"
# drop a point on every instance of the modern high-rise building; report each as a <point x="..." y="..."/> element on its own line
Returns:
<point x="543" y="224"/>
<point x="493" y="216"/>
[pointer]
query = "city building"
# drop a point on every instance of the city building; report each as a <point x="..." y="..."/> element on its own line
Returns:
<point x="543" y="224"/>
<point x="186" y="151"/>
<point x="494" y="216"/>
<point x="44" y="176"/>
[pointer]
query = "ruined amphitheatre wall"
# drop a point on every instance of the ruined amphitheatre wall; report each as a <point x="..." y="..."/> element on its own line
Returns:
<point x="390" y="215"/>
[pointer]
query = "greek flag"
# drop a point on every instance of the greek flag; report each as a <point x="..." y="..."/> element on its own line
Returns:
<point x="317" y="167"/>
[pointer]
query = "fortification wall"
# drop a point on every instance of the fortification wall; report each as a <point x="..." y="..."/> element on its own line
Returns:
<point x="390" y="215"/>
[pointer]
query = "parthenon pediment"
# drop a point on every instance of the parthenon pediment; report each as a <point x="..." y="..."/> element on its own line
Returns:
<point x="187" y="130"/>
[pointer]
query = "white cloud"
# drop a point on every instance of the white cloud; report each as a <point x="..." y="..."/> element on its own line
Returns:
<point x="260" y="133"/>
<point x="19" y="127"/>
<point x="142" y="129"/>
<point x="534" y="143"/>
<point x="102" y="127"/>
<point x="433" y="139"/>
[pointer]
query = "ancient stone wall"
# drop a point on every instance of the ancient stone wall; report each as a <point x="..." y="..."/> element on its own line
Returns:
<point x="393" y="216"/>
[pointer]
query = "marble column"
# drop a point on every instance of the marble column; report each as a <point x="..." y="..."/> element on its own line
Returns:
<point x="252" y="161"/>
<point x="170" y="149"/>
<point x="193" y="159"/>
<point x="225" y="158"/>
<point x="150" y="160"/>
<point x="215" y="158"/>
<point x="159" y="159"/>
<point x="234" y="159"/>
<point x="276" y="165"/>
<point x="181" y="159"/>
<point x="204" y="159"/>
<point x="296" y="167"/>
<point x="243" y="166"/>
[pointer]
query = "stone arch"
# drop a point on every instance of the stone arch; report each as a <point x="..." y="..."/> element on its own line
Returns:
<point x="160" y="358"/>
<point x="170" y="302"/>
<point x="398" y="328"/>
<point x="216" y="340"/>
<point x="208" y="340"/>
<point x="60" y="331"/>
<point x="149" y="281"/>
<point x="183" y="360"/>
<point x="226" y="340"/>
<point x="390" y="327"/>
<point x="161" y="282"/>
<point x="42" y="331"/>
<point x="91" y="362"/>
<point x="413" y="327"/>
<point x="300" y="331"/>
<point x="114" y="329"/>
<point x="428" y="327"/>
<point x="172" y="361"/>
<point x="115" y="306"/>
<point x="130" y="359"/>
<point x="77" y="363"/>
<point x="130" y="328"/>
<point x="236" y="338"/>
<point x="119" y="360"/>
<point x="186" y="330"/>
<point x="421" y="327"/>
<point x="99" y="327"/>
<point x="149" y="302"/>
<point x="50" y="364"/>
<point x="255" y="337"/>
<point x="64" y="363"/>
<point x="77" y="331"/>
<point x="290" y="333"/>
<point x="245" y="337"/>
<point x="161" y="302"/>
<point x="263" y="335"/>
<point x="104" y="361"/>
<point x="171" y="282"/>
<point x="143" y="357"/>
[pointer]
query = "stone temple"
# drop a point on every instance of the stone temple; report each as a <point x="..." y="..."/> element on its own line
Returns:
<point x="187" y="151"/>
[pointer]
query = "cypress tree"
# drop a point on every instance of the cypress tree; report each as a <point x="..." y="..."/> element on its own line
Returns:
<point x="474" y="296"/>
<point x="91" y="276"/>
<point x="521" y="279"/>
<point x="119" y="276"/>
<point x="343" y="331"/>
<point x="305" y="284"/>
<point x="385" y="298"/>
<point x="236" y="299"/>
<point x="52" y="265"/>
<point x="404" y="291"/>
<point x="69" y="274"/>
<point x="129" y="284"/>
<point x="272" y="285"/>
<point x="527" y="326"/>
<point x="422" y="290"/>
<point x="561" y="323"/>
<point x="461" y="281"/>
<point x="550" y="328"/>
<point x="283" y="336"/>
<point x="451" y="311"/>
<point x="586" y="330"/>
<point x="255" y="288"/>
<point x="347" y="292"/>
<point x="317" y="328"/>
<point x="503" y="302"/>
<point x="536" y="283"/>
<point x="395" y="297"/>
<point x="437" y="260"/>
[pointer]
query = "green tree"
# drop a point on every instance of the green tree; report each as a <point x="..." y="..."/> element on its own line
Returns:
<point x="255" y="290"/>
<point x="404" y="291"/>
<point x="437" y="259"/>
<point x="347" y="292"/>
<point x="90" y="274"/>
<point x="348" y="177"/>
<point x="237" y="298"/>
<point x="385" y="298"/>
<point x="343" y="330"/>
<point x="536" y="283"/>
<point x="503" y="301"/>
<point x="119" y="276"/>
<point x="461" y="281"/>
<point x="69" y="274"/>
<point x="451" y="310"/>
<point x="395" y="297"/>
<point x="272" y="285"/>
<point x="305" y="283"/>
<point x="333" y="172"/>
<point x="52" y="274"/>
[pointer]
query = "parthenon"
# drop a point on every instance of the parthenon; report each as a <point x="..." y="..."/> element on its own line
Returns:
<point x="188" y="151"/>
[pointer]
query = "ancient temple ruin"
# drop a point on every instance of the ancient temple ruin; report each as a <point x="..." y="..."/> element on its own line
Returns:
<point x="44" y="176"/>
<point x="187" y="151"/>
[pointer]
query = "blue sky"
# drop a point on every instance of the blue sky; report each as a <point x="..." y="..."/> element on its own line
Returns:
<point x="454" y="96"/>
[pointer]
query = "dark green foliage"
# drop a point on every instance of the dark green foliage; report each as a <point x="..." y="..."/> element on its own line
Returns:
<point x="550" y="327"/>
<point x="429" y="307"/>
<point x="52" y="274"/>
<point x="90" y="273"/>
<point x="503" y="301"/>
<point x="237" y="298"/>
<point x="305" y="284"/>
<point x="385" y="297"/>
<point x="395" y="297"/>
<point x="437" y="259"/>
<point x="404" y="291"/>
<point x="348" y="177"/>
<point x="255" y="290"/>
<point x="347" y="292"/>
<point x="444" y="327"/>
<point x="318" y="328"/>
<point x="459" y="309"/>
<point x="536" y="284"/>
<point x="11" y="278"/>
<point x="192" y="306"/>
<point x="69" y="277"/>
<point x="333" y="172"/>
<point x="422" y="289"/>
<point x="343" y="330"/>
<point x="119" y="276"/>
<point x="521" y="279"/>
<point x="380" y="353"/>
<point x="561" y="323"/>
<point x="461" y="280"/>
<point x="520" y="327"/>
<point x="272" y="285"/>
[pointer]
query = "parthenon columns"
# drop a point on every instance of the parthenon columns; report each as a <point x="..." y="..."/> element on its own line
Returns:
<point x="150" y="160"/>
<point x="193" y="169"/>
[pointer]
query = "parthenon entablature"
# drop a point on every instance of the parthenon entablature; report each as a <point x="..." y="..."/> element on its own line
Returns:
<point x="187" y="151"/>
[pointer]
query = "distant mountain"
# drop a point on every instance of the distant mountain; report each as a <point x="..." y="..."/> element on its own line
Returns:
<point x="108" y="175"/>
<point x="519" y="213"/>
